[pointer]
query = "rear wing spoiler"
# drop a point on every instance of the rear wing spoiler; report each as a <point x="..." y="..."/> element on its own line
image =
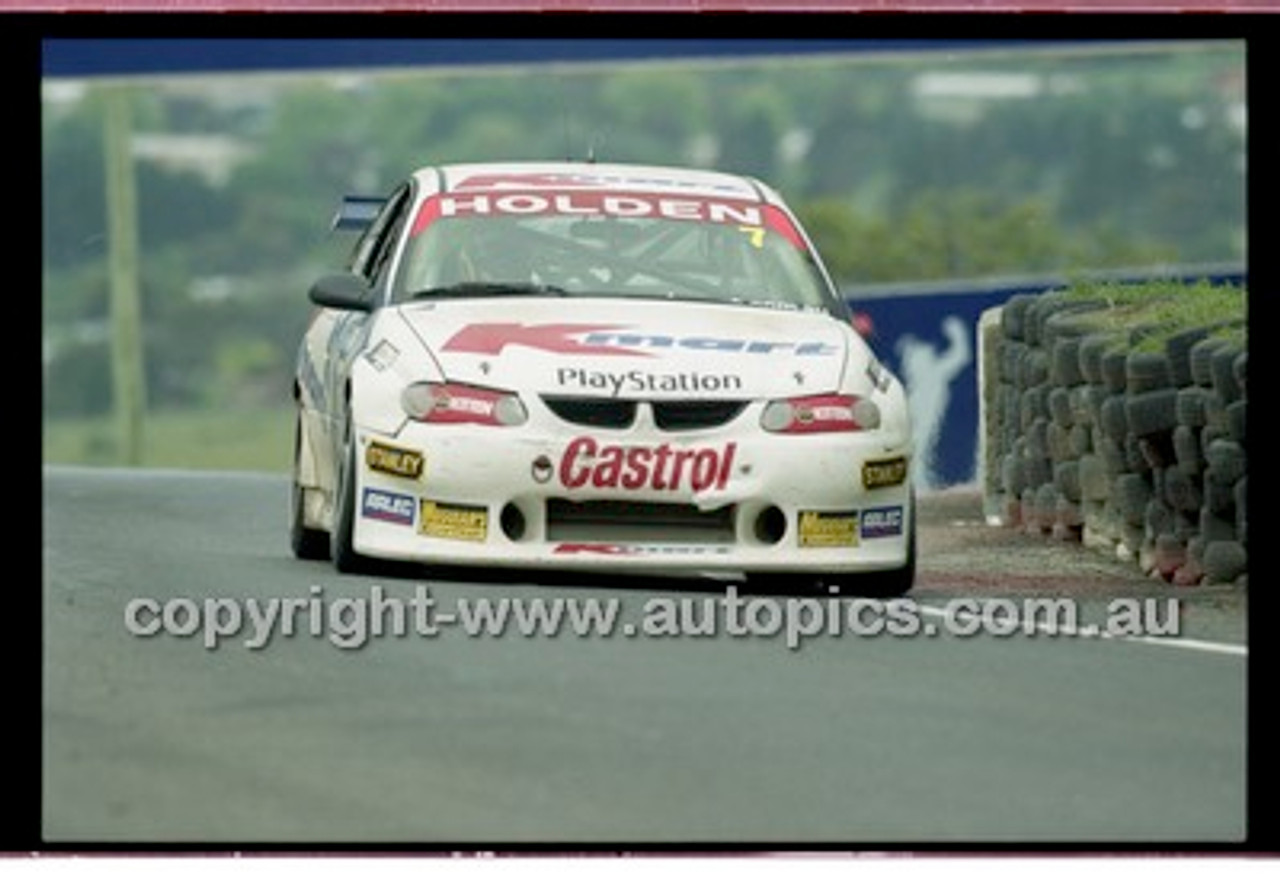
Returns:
<point x="357" y="212"/>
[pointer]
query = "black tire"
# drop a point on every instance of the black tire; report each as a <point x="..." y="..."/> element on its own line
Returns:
<point x="1068" y="519"/>
<point x="1226" y="461"/>
<point x="1157" y="448"/>
<point x="1011" y="474"/>
<point x="1058" y="440"/>
<point x="1147" y="372"/>
<point x="1014" y="313"/>
<point x="1151" y="411"/>
<point x="1178" y="350"/>
<point x="1034" y="405"/>
<point x="1187" y="450"/>
<point x="1066" y="477"/>
<point x="1033" y="321"/>
<point x="1114" y="420"/>
<point x="1113" y="363"/>
<point x="1183" y="491"/>
<point x="1134" y="456"/>
<point x="1079" y="440"/>
<point x="1060" y="409"/>
<point x="1241" y="492"/>
<point x="1092" y="348"/>
<point x="1093" y="400"/>
<point x="345" y="557"/>
<point x="1201" y="356"/>
<point x="1037" y="444"/>
<point x="1054" y="317"/>
<point x="1237" y="413"/>
<point x="1159" y="518"/>
<point x="887" y="584"/>
<point x="1190" y="408"/>
<point x="305" y="542"/>
<point x="1210" y="433"/>
<point x="1011" y="354"/>
<point x="1220" y="499"/>
<point x="1064" y="362"/>
<point x="1036" y="471"/>
<point x="1214" y="527"/>
<point x="894" y="582"/>
<point x="1132" y="492"/>
<point x="1113" y="455"/>
<point x="1034" y="370"/>
<point x="1222" y="370"/>
<point x="1095" y="483"/>
<point x="1224" y="561"/>
<point x="1070" y="321"/>
<point x="1046" y="500"/>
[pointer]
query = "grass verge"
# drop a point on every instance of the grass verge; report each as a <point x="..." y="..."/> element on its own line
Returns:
<point x="1159" y="309"/>
<point x="258" y="439"/>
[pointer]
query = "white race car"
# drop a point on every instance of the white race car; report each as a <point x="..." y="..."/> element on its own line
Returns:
<point x="597" y="367"/>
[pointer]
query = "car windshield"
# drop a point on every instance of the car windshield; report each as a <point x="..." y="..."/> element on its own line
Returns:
<point x="624" y="246"/>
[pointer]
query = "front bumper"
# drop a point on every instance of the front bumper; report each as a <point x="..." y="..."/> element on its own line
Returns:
<point x="735" y="500"/>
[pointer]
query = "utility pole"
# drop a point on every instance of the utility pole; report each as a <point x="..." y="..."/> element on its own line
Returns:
<point x="127" y="368"/>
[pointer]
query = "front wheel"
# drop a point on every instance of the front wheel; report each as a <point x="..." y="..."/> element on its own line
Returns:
<point x="345" y="557"/>
<point x="891" y="582"/>
<point x="306" y="543"/>
<point x="886" y="584"/>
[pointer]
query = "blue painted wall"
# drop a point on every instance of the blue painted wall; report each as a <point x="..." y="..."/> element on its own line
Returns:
<point x="90" y="57"/>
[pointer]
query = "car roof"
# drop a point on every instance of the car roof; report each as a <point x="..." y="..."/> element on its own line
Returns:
<point x="629" y="178"/>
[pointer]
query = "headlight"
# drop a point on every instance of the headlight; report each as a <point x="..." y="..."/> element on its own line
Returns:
<point x="820" y="413"/>
<point x="461" y="403"/>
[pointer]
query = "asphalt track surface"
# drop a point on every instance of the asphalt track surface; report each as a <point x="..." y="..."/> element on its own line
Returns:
<point x="720" y="741"/>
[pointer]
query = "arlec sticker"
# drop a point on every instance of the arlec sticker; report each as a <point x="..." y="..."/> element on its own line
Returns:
<point x="387" y="506"/>
<point x="881" y="522"/>
<point x="819" y="529"/>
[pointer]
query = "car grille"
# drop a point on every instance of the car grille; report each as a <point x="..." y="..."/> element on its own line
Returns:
<point x="684" y="415"/>
<point x="605" y="413"/>
<point x="637" y="521"/>
<point x="619" y="413"/>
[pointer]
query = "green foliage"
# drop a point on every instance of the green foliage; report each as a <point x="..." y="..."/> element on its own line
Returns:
<point x="1119" y="160"/>
<point x="960" y="234"/>
<point x="189" y="439"/>
<point x="1159" y="308"/>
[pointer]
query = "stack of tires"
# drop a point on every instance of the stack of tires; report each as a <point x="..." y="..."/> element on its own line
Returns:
<point x="1130" y="439"/>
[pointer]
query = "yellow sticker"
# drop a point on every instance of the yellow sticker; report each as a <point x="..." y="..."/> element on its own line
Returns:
<point x="884" y="473"/>
<point x="457" y="521"/>
<point x="756" y="234"/>
<point x="403" y="462"/>
<point x="828" y="530"/>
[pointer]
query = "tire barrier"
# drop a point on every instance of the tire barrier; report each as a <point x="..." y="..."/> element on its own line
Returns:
<point x="1119" y="430"/>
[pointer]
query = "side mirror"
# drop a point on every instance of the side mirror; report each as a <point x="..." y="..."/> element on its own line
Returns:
<point x="345" y="292"/>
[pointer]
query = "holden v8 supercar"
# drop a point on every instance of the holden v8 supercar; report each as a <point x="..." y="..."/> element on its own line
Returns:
<point x="596" y="367"/>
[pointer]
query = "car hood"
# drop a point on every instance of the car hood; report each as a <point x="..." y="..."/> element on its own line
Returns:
<point x="635" y="348"/>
